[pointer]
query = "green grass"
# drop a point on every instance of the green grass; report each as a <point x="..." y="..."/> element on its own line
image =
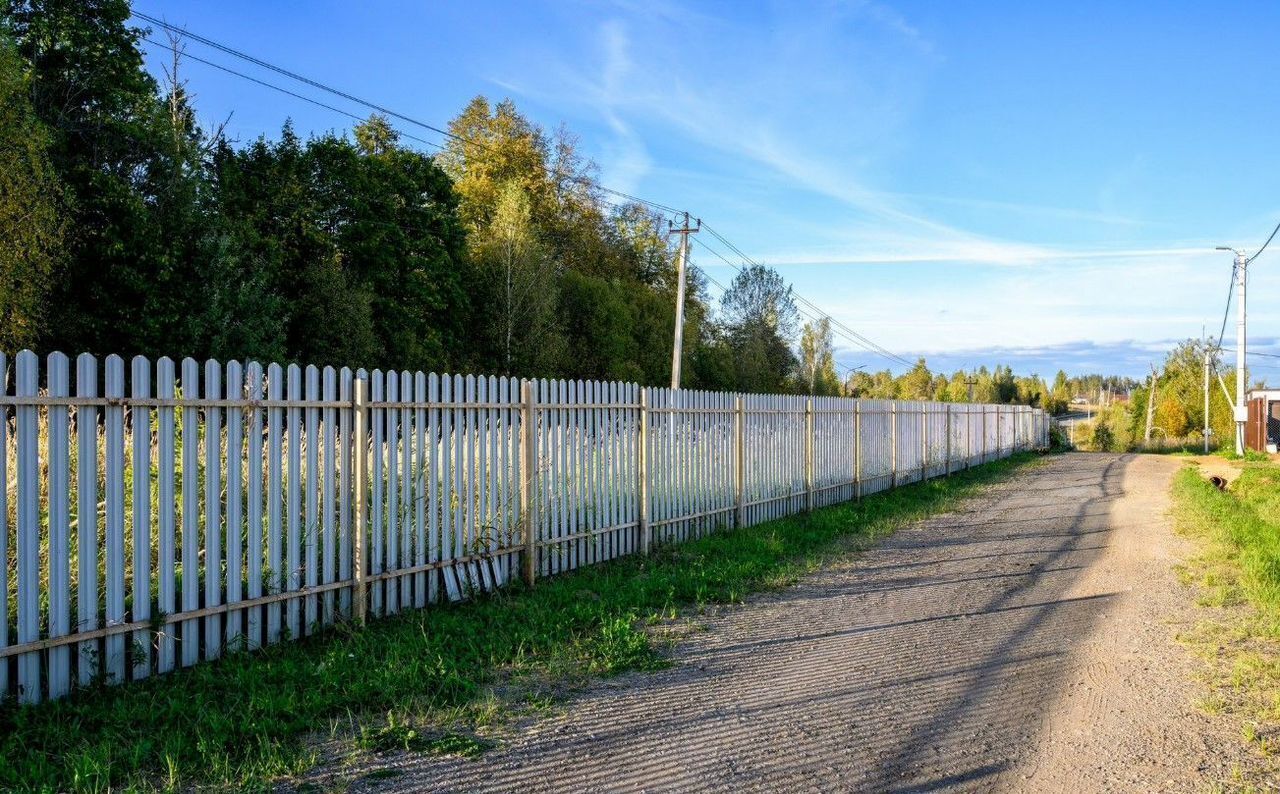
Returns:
<point x="429" y="680"/>
<point x="1237" y="571"/>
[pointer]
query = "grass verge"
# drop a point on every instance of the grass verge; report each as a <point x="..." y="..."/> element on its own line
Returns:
<point x="1237" y="573"/>
<point x="428" y="680"/>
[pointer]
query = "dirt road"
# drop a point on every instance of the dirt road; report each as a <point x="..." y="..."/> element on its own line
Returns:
<point x="1023" y="643"/>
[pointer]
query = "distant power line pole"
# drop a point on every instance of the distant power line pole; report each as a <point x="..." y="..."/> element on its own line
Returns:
<point x="1151" y="403"/>
<point x="677" y="350"/>
<point x="971" y="382"/>
<point x="1207" y="430"/>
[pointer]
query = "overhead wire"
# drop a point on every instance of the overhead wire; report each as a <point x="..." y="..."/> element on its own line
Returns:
<point x="845" y="330"/>
<point x="814" y="312"/>
<point x="803" y="312"/>
<point x="286" y="91"/>
<point x="864" y="341"/>
<point x="1264" y="245"/>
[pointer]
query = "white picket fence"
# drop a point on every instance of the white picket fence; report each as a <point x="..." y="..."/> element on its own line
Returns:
<point x="165" y="514"/>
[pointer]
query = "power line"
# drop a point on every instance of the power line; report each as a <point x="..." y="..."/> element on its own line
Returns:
<point x="851" y="334"/>
<point x="292" y="75"/>
<point x="863" y="340"/>
<point x="815" y="312"/>
<point x="803" y="312"/>
<point x="1264" y="245"/>
<point x="1252" y="353"/>
<point x="282" y="90"/>
<point x="364" y="102"/>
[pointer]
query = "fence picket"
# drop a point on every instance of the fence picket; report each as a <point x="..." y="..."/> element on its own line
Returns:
<point x="346" y="417"/>
<point x="254" y="575"/>
<point x="293" y="501"/>
<point x="392" y="541"/>
<point x="328" y="553"/>
<point x="141" y="416"/>
<point x="59" y="465"/>
<point x="166" y="520"/>
<point x="190" y="384"/>
<point x="274" y="573"/>
<point x="235" y="507"/>
<point x="113" y="421"/>
<point x="444" y="426"/>
<point x="213" y="510"/>
<point x="420" y="594"/>
<point x="28" y="514"/>
<point x="377" y="478"/>
<point x="310" y="501"/>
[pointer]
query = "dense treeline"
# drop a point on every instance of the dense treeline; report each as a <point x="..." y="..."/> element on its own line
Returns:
<point x="126" y="227"/>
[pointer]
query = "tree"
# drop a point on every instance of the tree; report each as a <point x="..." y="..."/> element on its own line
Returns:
<point x="490" y="147"/>
<point x="520" y="279"/>
<point x="106" y="125"/>
<point x="917" y="383"/>
<point x="32" y="222"/>
<point x="817" y="367"/>
<point x="760" y="319"/>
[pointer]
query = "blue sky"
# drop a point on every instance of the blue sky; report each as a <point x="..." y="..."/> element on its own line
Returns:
<point x="1039" y="184"/>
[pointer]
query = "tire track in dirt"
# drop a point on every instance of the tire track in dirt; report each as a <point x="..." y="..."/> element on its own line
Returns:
<point x="1023" y="642"/>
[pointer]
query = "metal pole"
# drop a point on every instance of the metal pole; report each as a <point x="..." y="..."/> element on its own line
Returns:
<point x="1242" y="409"/>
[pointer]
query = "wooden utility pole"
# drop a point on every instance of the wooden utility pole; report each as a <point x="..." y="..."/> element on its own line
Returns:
<point x="1151" y="403"/>
<point x="971" y="382"/>
<point x="677" y="350"/>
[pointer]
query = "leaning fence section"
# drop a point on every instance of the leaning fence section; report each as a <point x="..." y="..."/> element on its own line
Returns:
<point x="154" y="515"/>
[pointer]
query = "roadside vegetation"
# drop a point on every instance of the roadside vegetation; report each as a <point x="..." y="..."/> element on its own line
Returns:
<point x="1177" y="410"/>
<point x="1237" y="573"/>
<point x="438" y="680"/>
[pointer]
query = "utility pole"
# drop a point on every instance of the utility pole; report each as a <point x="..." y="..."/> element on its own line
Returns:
<point x="1206" y="399"/>
<point x="1241" y="408"/>
<point x="678" y="349"/>
<point x="971" y="382"/>
<point x="1151" y="403"/>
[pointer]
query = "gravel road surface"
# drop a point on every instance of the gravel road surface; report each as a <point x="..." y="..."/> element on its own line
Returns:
<point x="1021" y="643"/>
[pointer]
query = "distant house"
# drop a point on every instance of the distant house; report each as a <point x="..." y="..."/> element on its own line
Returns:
<point x="1262" y="432"/>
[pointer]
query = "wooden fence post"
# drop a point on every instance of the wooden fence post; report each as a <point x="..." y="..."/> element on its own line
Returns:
<point x="808" y="454"/>
<point x="740" y="465"/>
<point x="893" y="443"/>
<point x="359" y="487"/>
<point x="642" y="474"/>
<point x="528" y="473"/>
<point x="857" y="450"/>
<point x="948" y="461"/>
